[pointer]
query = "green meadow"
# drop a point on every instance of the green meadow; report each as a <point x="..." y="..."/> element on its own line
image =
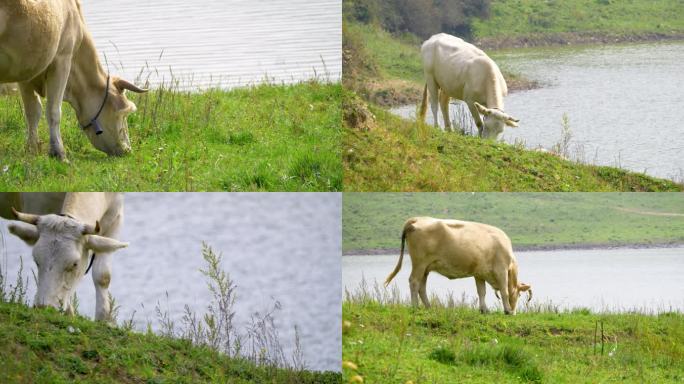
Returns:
<point x="393" y="343"/>
<point x="373" y="221"/>
<point x="259" y="138"/>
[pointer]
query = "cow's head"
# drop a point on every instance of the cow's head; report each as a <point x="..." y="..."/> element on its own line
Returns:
<point x="60" y="250"/>
<point x="494" y="121"/>
<point x="514" y="293"/>
<point x="113" y="137"/>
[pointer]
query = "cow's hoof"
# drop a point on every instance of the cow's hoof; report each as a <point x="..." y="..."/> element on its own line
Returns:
<point x="484" y="311"/>
<point x="59" y="155"/>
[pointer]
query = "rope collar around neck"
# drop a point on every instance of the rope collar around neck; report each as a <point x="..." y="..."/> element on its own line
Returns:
<point x="93" y="122"/>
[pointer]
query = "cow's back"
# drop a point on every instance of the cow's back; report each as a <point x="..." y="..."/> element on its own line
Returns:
<point x="30" y="35"/>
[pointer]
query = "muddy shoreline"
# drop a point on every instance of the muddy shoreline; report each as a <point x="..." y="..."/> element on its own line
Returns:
<point x="528" y="248"/>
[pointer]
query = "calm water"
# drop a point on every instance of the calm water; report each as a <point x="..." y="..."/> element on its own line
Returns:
<point x="276" y="246"/>
<point x="622" y="103"/>
<point x="214" y="42"/>
<point x="615" y="279"/>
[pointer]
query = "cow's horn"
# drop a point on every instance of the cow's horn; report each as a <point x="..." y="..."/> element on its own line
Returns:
<point x="122" y="84"/>
<point x="25" y="217"/>
<point x="529" y="295"/>
<point x="90" y="230"/>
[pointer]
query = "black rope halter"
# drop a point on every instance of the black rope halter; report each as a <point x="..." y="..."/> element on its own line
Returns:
<point x="93" y="122"/>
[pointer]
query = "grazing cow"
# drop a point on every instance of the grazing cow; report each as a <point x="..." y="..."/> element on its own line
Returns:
<point x="457" y="249"/>
<point x="64" y="228"/>
<point x="454" y="68"/>
<point x="46" y="48"/>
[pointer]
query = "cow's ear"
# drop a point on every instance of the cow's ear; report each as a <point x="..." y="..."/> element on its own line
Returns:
<point x="522" y="287"/>
<point x="101" y="244"/>
<point x="27" y="232"/>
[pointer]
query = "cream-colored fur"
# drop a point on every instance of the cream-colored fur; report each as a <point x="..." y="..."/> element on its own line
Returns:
<point x="457" y="249"/>
<point x="456" y="69"/>
<point x="46" y="48"/>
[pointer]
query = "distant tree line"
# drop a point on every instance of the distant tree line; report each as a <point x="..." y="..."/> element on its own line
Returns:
<point x="420" y="17"/>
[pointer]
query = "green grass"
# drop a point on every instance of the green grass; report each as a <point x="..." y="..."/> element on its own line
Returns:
<point x="375" y="220"/>
<point x="396" y="344"/>
<point x="260" y="138"/>
<point x="36" y="346"/>
<point x="393" y="154"/>
<point x="511" y="18"/>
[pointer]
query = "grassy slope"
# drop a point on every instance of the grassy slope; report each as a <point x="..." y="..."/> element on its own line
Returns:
<point x="400" y="155"/>
<point x="395" y="344"/>
<point x="374" y="221"/>
<point x="36" y="347"/>
<point x="259" y="138"/>
<point x="511" y="18"/>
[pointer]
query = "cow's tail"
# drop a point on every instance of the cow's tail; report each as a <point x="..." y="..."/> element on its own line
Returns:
<point x="423" y="105"/>
<point x="408" y="227"/>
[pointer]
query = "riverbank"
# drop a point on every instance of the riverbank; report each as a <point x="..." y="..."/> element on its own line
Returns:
<point x="393" y="343"/>
<point x="383" y="152"/>
<point x="41" y="345"/>
<point x="533" y="221"/>
<point x="260" y="138"/>
<point x="527" y="23"/>
<point x="532" y="248"/>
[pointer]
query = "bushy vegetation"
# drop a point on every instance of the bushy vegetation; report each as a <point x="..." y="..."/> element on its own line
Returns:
<point x="375" y="221"/>
<point x="46" y="346"/>
<point x="386" y="341"/>
<point x="259" y="138"/>
<point x="419" y="17"/>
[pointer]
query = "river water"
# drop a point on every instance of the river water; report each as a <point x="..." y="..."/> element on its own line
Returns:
<point x="648" y="280"/>
<point x="622" y="103"/>
<point x="281" y="247"/>
<point x="219" y="43"/>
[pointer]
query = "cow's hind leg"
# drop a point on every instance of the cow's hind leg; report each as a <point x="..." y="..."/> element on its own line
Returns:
<point x="444" y="105"/>
<point x="433" y="90"/>
<point x="481" y="291"/>
<point x="423" y="290"/>
<point x="57" y="77"/>
<point x="102" y="275"/>
<point x="415" y="282"/>
<point x="32" y="112"/>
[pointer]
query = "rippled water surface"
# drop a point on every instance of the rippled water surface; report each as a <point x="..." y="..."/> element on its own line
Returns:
<point x="219" y="43"/>
<point x="608" y="279"/>
<point x="276" y="247"/>
<point x="623" y="104"/>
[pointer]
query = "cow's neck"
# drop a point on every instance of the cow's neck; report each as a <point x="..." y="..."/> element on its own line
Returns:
<point x="494" y="92"/>
<point x="87" y="80"/>
<point x="86" y="207"/>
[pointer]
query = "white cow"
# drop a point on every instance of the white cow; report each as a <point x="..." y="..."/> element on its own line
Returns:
<point x="457" y="249"/>
<point x="64" y="229"/>
<point x="46" y="48"/>
<point x="455" y="68"/>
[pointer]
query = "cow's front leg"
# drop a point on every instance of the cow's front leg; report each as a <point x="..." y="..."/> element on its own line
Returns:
<point x="434" y="99"/>
<point x="57" y="77"/>
<point x="481" y="291"/>
<point x="102" y="275"/>
<point x="32" y="111"/>
<point x="476" y="116"/>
